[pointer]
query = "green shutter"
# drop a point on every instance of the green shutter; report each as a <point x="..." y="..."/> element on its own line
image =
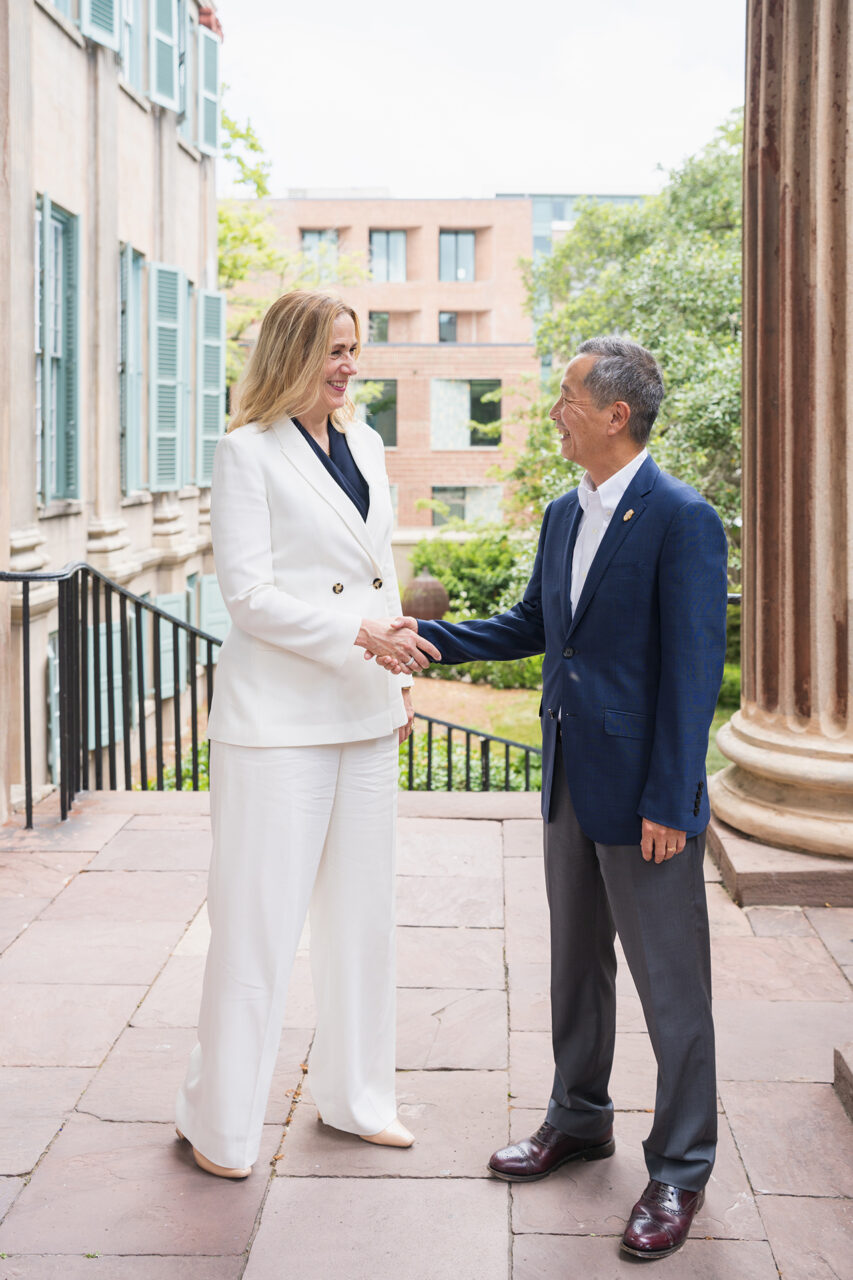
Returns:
<point x="103" y="692"/>
<point x="166" y="363"/>
<point x="125" y="260"/>
<point x="44" y="478"/>
<point x="210" y="381"/>
<point x="53" y="737"/>
<point x="71" y="415"/>
<point x="208" y="91"/>
<point x="186" y="382"/>
<point x="163" y="52"/>
<point x="99" y="20"/>
<point x="215" y="618"/>
<point x="130" y="370"/>
<point x="174" y="603"/>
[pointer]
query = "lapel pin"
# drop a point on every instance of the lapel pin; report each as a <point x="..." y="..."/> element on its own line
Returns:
<point x="628" y="514"/>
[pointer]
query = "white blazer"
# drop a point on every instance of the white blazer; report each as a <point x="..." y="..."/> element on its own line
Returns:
<point x="298" y="569"/>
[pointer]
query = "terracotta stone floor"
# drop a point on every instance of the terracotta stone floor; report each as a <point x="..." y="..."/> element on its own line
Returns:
<point x="102" y="941"/>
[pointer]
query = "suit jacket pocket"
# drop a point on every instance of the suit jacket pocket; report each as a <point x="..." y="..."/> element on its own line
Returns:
<point x="626" y="724"/>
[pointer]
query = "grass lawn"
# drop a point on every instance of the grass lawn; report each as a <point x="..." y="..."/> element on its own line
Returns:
<point x="510" y="713"/>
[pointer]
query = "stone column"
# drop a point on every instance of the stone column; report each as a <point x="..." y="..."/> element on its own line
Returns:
<point x="791" y="744"/>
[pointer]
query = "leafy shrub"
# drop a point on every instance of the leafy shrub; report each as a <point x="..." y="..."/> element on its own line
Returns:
<point x="730" y="690"/>
<point x="464" y="772"/>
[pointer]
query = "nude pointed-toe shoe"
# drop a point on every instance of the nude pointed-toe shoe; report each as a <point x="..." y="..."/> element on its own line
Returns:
<point x="218" y="1170"/>
<point x="396" y="1135"/>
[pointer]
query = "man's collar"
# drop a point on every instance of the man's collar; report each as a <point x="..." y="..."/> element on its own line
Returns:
<point x="611" y="491"/>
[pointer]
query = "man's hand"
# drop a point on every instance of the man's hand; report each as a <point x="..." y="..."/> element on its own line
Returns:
<point x="395" y="645"/>
<point x="406" y="729"/>
<point x="660" y="842"/>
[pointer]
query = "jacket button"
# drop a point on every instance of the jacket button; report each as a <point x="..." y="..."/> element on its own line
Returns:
<point x="338" y="588"/>
<point x="377" y="582"/>
<point x="568" y="652"/>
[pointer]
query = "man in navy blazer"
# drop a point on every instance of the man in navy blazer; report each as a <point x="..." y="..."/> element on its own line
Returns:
<point x="627" y="600"/>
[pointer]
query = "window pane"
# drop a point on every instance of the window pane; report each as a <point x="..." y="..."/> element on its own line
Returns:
<point x="379" y="255"/>
<point x="396" y="255"/>
<point x="465" y="255"/>
<point x="450" y="413"/>
<point x="453" y="498"/>
<point x="485" y="412"/>
<point x="446" y="255"/>
<point x="381" y="414"/>
<point x="447" y="326"/>
<point x="378" y="326"/>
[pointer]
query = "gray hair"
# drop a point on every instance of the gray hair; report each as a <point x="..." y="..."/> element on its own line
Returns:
<point x="625" y="371"/>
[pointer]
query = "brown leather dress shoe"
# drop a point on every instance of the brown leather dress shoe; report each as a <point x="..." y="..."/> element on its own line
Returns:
<point x="660" y="1220"/>
<point x="548" y="1148"/>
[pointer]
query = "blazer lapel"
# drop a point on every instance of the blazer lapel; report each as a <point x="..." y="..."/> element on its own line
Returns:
<point x="376" y="480"/>
<point x="618" y="530"/>
<point x="300" y="454"/>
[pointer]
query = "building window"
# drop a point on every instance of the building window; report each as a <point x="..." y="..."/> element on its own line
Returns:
<point x="130" y="368"/>
<point x="485" y="411"/>
<point x="377" y="326"/>
<point x="461" y="415"/>
<point x="388" y="255"/>
<point x="380" y="411"/>
<point x="320" y="248"/>
<point x="456" y="255"/>
<point x="64" y="7"/>
<point x="187" y="41"/>
<point x="56" y="353"/>
<point x="471" y="502"/>
<point x="131" y="42"/>
<point x="447" y="326"/>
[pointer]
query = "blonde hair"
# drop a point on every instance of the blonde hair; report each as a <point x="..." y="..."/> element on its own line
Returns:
<point x="285" y="371"/>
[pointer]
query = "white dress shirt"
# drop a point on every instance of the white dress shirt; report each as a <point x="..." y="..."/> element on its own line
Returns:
<point x="598" y="505"/>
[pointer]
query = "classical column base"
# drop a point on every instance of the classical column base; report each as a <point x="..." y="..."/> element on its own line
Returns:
<point x="788" y="789"/>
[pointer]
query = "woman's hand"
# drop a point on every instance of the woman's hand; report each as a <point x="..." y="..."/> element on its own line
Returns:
<point x="396" y="646"/>
<point x="406" y="728"/>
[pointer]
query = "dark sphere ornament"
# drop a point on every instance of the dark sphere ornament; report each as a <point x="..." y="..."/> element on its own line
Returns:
<point x="425" y="597"/>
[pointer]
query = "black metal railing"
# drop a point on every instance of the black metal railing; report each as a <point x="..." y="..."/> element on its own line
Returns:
<point x="86" y="600"/>
<point x="440" y="764"/>
<point x="93" y="722"/>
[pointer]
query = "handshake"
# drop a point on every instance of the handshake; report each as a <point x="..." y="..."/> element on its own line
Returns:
<point x="396" y="645"/>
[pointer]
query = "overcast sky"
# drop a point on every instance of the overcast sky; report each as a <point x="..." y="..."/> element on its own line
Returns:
<point x="450" y="98"/>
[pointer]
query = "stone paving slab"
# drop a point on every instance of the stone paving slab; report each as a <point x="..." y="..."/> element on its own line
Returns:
<point x="471" y="901"/>
<point x="38" y="873"/>
<point x="406" y="1228"/>
<point x="35" y="1103"/>
<point x="150" y="1267"/>
<point x="779" y="1039"/>
<point x="795" y="1139"/>
<point x="775" y="969"/>
<point x="812" y="1239"/>
<point x="451" y="1030"/>
<point x="834" y="927"/>
<point x="156" y="1196"/>
<point x="163" y="849"/>
<point x="778" y="922"/>
<point x="453" y="957"/>
<point x="16" y="915"/>
<point x="595" y="1197"/>
<point x="489" y="805"/>
<point x="131" y="896"/>
<point x="435" y="847"/>
<point x="89" y="951"/>
<point x="522" y="839"/>
<point x="168" y="822"/>
<point x="458" y="1119"/>
<point x="549" y="1257"/>
<point x="140" y="1078"/>
<point x="74" y="1027"/>
<point x="528" y="930"/>
<point x="88" y="832"/>
<point x="9" y="1189"/>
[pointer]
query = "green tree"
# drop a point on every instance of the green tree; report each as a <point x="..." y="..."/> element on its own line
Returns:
<point x="667" y="272"/>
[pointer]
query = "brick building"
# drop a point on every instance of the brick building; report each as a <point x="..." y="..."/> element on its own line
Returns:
<point x="441" y="304"/>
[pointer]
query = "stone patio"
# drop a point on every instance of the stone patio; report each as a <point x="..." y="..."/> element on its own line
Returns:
<point x="102" y="940"/>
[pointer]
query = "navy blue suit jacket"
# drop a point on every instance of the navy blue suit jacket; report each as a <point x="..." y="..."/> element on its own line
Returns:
<point x="636" y="670"/>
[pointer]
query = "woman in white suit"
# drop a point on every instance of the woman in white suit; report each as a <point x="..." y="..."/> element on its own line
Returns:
<point x="303" y="745"/>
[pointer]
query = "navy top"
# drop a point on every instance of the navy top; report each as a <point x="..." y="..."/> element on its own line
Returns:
<point x="340" y="465"/>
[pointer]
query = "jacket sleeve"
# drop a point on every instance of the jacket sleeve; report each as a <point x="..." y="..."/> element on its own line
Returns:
<point x="242" y="549"/>
<point x="518" y="633"/>
<point x="693" y="594"/>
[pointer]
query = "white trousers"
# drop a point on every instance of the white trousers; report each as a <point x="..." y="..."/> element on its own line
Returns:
<point x="294" y="826"/>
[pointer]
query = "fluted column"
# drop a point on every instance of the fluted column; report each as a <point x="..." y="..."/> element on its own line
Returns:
<point x="791" y="744"/>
